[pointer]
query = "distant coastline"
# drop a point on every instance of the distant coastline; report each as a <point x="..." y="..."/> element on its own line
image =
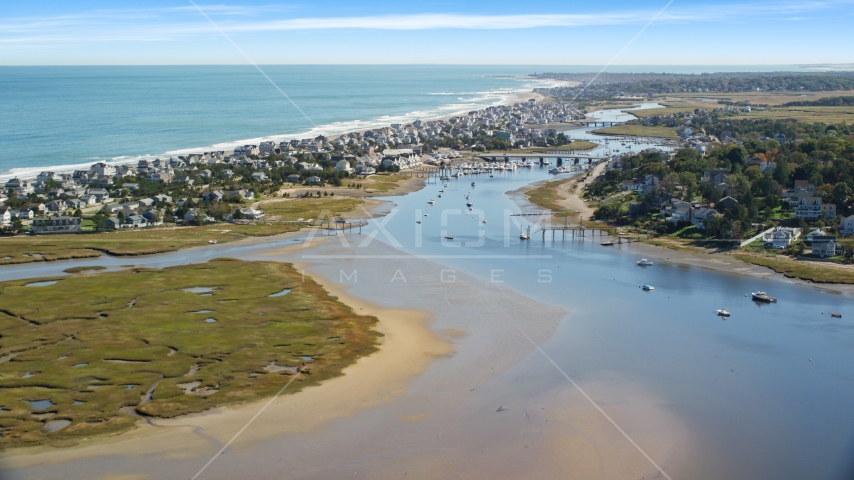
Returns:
<point x="459" y="101"/>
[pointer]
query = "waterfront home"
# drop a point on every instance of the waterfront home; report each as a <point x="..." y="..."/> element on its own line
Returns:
<point x="130" y="186"/>
<point x="195" y="215"/>
<point x="156" y="177"/>
<point x="699" y="216"/>
<point x="101" y="194"/>
<point x="104" y="169"/>
<point x="56" y="225"/>
<point x="293" y="178"/>
<point x="313" y="179"/>
<point x="5" y="215"/>
<point x="847" y="226"/>
<point x="113" y="223"/>
<point x="826" y="246"/>
<point x="811" y="209"/>
<point x="781" y="237"/>
<point x="250" y="213"/>
<point x="145" y="202"/>
<point x="260" y="176"/>
<point x="135" y="221"/>
<point x="153" y="217"/>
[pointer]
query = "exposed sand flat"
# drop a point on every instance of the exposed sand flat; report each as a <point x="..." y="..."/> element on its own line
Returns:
<point x="424" y="406"/>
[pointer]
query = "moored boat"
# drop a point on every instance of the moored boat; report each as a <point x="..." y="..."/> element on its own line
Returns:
<point x="644" y="263"/>
<point x="763" y="297"/>
<point x="607" y="244"/>
<point x="648" y="288"/>
<point x="723" y="313"/>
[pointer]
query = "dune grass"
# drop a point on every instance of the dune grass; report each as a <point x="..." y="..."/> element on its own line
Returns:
<point x="107" y="339"/>
<point x="818" y="272"/>
<point x="382" y="182"/>
<point x="545" y="195"/>
<point x="318" y="208"/>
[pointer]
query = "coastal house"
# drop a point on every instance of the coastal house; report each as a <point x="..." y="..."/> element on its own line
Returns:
<point x="293" y="178"/>
<point x="313" y="180"/>
<point x="162" y="198"/>
<point x="343" y="166"/>
<point x="250" y="213"/>
<point x="260" y="177"/>
<point x="847" y="226"/>
<point x="113" y="223"/>
<point x="194" y="215"/>
<point x="5" y="215"/>
<point x="135" y="221"/>
<point x="781" y="237"/>
<point x="700" y="215"/>
<point x="213" y="196"/>
<point x="56" y="206"/>
<point x="56" y="225"/>
<point x="811" y="209"/>
<point x="826" y="246"/>
<point x="630" y="185"/>
<point x="242" y="194"/>
<point x="130" y="186"/>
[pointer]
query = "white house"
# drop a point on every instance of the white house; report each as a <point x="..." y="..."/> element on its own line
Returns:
<point x="847" y="226"/>
<point x="781" y="237"/>
<point x="343" y="166"/>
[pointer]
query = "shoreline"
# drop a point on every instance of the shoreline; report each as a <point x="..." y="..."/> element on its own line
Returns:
<point x="405" y="349"/>
<point x="507" y="98"/>
<point x="721" y="262"/>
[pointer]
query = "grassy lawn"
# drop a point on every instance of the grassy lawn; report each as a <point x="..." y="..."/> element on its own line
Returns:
<point x="25" y="249"/>
<point x="325" y="208"/>
<point x="93" y="345"/>
<point x="382" y="182"/>
<point x="638" y="131"/>
<point x="819" y="272"/>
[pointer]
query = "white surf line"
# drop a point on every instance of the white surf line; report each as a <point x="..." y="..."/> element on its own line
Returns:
<point x="253" y="63"/>
<point x="245" y="427"/>
<point x="592" y="402"/>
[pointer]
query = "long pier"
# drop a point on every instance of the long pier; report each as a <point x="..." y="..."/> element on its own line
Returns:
<point x="579" y="230"/>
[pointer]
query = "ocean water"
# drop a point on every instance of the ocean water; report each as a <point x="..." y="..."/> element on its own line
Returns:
<point x="74" y="116"/>
<point x="61" y="116"/>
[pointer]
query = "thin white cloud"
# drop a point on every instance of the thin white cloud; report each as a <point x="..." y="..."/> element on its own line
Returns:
<point x="159" y="24"/>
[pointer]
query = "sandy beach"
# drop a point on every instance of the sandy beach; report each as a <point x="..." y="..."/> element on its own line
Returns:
<point x="454" y="368"/>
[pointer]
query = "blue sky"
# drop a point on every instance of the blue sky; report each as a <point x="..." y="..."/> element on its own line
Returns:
<point x="782" y="32"/>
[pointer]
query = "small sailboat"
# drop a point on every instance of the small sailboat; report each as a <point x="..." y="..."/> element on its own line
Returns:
<point x="440" y="195"/>
<point x="484" y="221"/>
<point x="472" y="184"/>
<point x="418" y="221"/>
<point x="835" y="315"/>
<point x="609" y="243"/>
<point x="212" y="242"/>
<point x="648" y="288"/>
<point x="723" y="313"/>
<point x="468" y="204"/>
<point x="523" y="235"/>
<point x="426" y="214"/>
<point x="644" y="263"/>
<point x="431" y="201"/>
<point x="448" y="237"/>
<point x="763" y="297"/>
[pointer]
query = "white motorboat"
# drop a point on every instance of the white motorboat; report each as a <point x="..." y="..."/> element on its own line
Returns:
<point x="431" y="202"/>
<point x="723" y="313"/>
<point x="648" y="288"/>
<point x="644" y="263"/>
